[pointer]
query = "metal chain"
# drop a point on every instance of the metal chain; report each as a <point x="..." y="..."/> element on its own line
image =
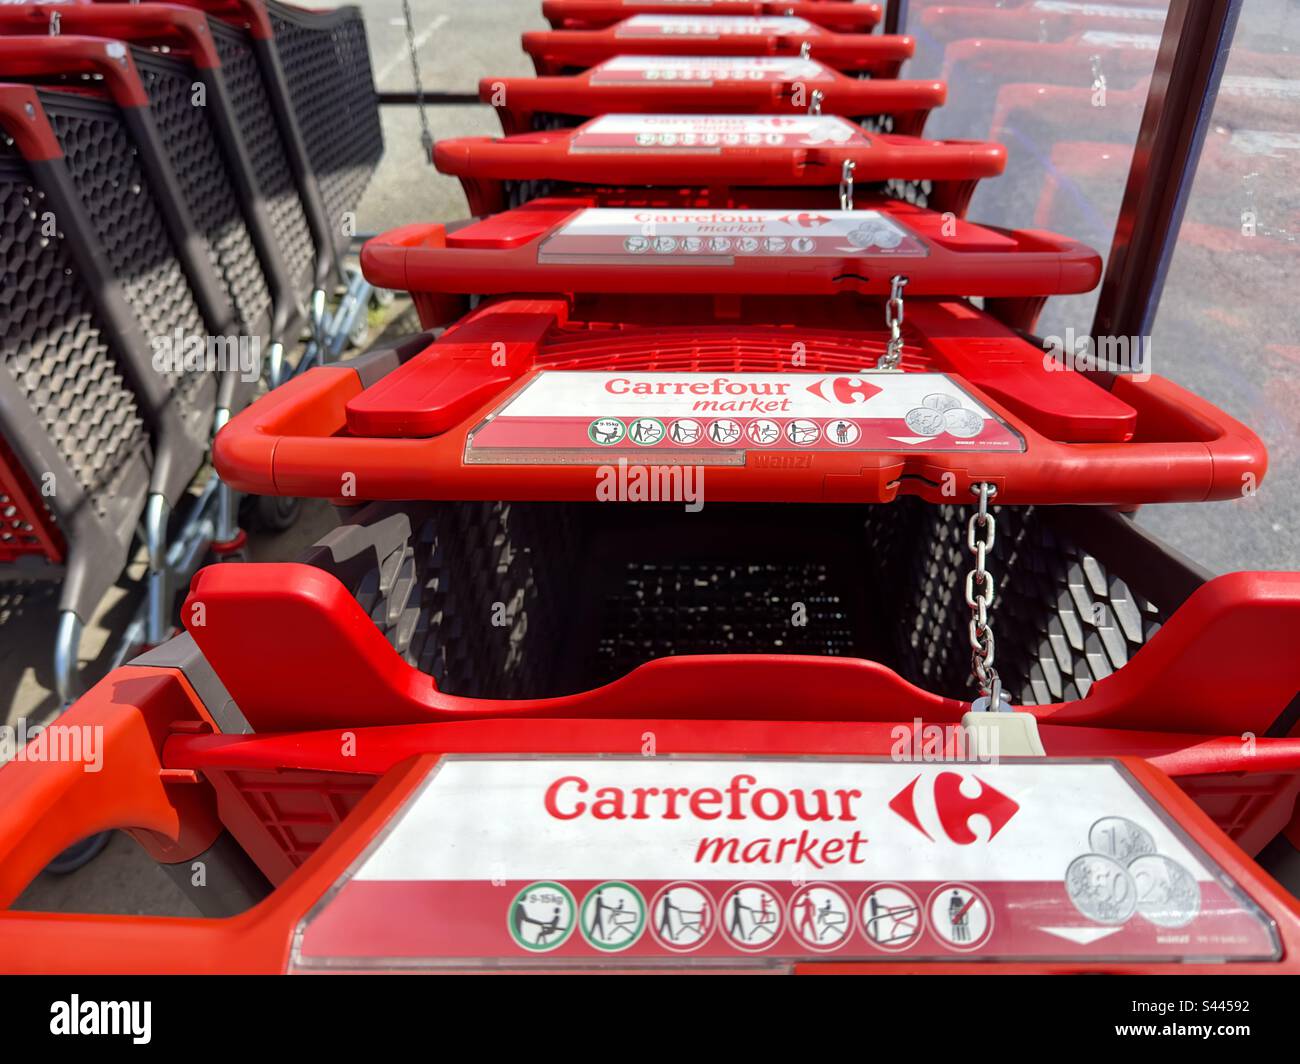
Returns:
<point x="894" y="319"/>
<point x="815" y="102"/>
<point x="1098" y="77"/>
<point x="805" y="50"/>
<point x="846" y="185"/>
<point x="980" y="534"/>
<point x="426" y="136"/>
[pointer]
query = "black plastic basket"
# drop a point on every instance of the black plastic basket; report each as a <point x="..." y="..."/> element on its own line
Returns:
<point x="526" y="600"/>
<point x="325" y="57"/>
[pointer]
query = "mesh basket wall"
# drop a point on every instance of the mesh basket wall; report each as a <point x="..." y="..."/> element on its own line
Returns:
<point x="105" y="170"/>
<point x="266" y="152"/>
<point x="528" y="600"/>
<point x="206" y="184"/>
<point x="326" y="60"/>
<point x="52" y="347"/>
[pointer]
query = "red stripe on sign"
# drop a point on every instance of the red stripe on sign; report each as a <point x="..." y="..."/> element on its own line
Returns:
<point x="368" y="921"/>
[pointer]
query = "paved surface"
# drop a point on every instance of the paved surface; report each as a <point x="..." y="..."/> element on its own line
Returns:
<point x="1213" y="335"/>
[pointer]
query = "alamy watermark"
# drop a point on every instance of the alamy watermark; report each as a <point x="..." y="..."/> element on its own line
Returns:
<point x="629" y="482"/>
<point x="81" y="744"/>
<point x="1130" y="355"/>
<point x="926" y="743"/>
<point x="182" y="352"/>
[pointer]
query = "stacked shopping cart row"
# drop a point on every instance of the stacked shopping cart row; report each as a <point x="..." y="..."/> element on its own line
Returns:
<point x="175" y="189"/>
<point x="682" y="511"/>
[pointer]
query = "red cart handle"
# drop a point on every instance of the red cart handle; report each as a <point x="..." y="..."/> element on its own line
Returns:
<point x="907" y="103"/>
<point x="503" y="254"/>
<point x="39" y="57"/>
<point x="24" y="119"/>
<point x="582" y="156"/>
<point x="161" y="22"/>
<point x="296" y="442"/>
<point x="554" y="51"/>
<point x="875" y="157"/>
<point x="597" y="14"/>
<point x="249" y="14"/>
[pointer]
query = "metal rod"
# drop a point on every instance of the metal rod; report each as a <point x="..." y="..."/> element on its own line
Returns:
<point x="440" y="99"/>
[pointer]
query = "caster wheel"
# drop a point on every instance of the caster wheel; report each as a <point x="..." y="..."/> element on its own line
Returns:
<point x="269" y="513"/>
<point x="79" y="854"/>
<point x="276" y="513"/>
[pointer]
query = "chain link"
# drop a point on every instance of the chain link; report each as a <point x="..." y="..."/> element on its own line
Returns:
<point x="815" y="102"/>
<point x="426" y="135"/>
<point x="846" y="185"/>
<point x="980" y="535"/>
<point x="894" y="320"/>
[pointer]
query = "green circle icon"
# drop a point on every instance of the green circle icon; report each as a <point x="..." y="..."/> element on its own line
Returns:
<point x="613" y="916"/>
<point x="606" y="431"/>
<point x="541" y="916"/>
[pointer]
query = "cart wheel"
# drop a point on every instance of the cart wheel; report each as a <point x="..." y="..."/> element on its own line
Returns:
<point x="383" y="297"/>
<point x="277" y="513"/>
<point x="269" y="513"/>
<point x="79" y="854"/>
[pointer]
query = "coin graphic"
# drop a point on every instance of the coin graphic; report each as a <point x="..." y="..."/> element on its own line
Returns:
<point x="1120" y="838"/>
<point x="939" y="401"/>
<point x="868" y="235"/>
<point x="924" y="421"/>
<point x="963" y="423"/>
<point x="1101" y="888"/>
<point x="1167" y="894"/>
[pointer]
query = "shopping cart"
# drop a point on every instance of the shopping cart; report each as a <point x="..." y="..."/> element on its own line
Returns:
<point x="101" y="432"/>
<point x="734" y="161"/>
<point x="175" y="53"/>
<point x="578" y="685"/>
<point x="774" y="85"/>
<point x="863" y="55"/>
<point x="304" y="80"/>
<point x="510" y="402"/>
<point x="219" y="748"/>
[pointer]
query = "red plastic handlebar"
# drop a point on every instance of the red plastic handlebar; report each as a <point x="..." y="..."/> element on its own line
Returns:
<point x="39" y="57"/>
<point x="163" y="23"/>
<point x="555" y="51"/>
<point x="518" y="100"/>
<point x="596" y="14"/>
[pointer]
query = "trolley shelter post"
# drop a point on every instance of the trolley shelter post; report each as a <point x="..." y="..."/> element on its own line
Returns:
<point x="895" y="20"/>
<point x="1184" y="85"/>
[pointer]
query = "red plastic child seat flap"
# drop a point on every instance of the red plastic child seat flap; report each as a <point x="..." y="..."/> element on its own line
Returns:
<point x="1064" y="405"/>
<point x="517" y="227"/>
<point x="446" y="382"/>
